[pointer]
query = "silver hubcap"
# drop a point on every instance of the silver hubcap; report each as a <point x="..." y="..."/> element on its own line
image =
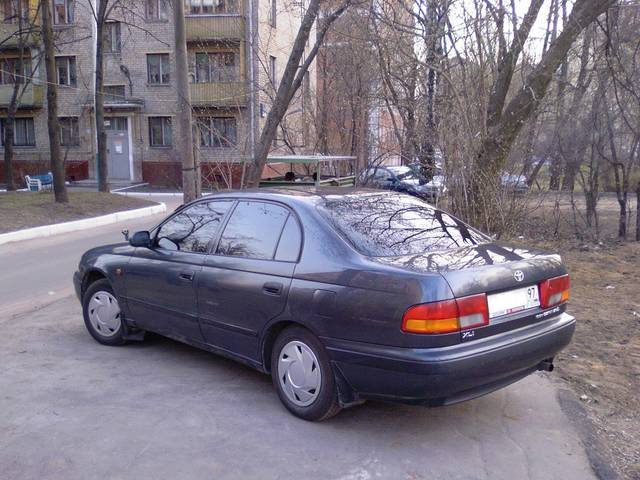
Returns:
<point x="104" y="314"/>
<point x="299" y="373"/>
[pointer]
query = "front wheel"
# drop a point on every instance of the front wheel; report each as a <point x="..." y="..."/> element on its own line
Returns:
<point x="302" y="375"/>
<point x="102" y="315"/>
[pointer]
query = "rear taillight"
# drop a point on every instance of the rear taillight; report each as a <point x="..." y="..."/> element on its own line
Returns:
<point x="447" y="316"/>
<point x="554" y="291"/>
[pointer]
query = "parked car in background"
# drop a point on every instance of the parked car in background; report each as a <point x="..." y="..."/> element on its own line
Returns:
<point x="341" y="295"/>
<point x="403" y="179"/>
<point x="514" y="183"/>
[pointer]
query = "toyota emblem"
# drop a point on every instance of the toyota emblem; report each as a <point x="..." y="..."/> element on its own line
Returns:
<point x="518" y="275"/>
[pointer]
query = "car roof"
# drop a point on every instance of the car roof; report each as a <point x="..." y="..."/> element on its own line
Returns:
<point x="292" y="194"/>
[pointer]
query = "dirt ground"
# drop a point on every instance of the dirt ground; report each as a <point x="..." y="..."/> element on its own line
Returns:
<point x="20" y="210"/>
<point x="602" y="365"/>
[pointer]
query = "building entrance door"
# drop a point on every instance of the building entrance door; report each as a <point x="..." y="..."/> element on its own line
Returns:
<point x="118" y="148"/>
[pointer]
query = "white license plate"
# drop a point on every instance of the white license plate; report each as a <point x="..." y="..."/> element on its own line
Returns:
<point x="513" y="301"/>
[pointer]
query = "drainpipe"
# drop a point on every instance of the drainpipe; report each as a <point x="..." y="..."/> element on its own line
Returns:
<point x="94" y="47"/>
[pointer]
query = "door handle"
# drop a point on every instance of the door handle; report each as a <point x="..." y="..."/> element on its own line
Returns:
<point x="188" y="276"/>
<point x="272" y="288"/>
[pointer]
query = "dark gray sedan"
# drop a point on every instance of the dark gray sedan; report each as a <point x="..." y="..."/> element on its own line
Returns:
<point x="341" y="295"/>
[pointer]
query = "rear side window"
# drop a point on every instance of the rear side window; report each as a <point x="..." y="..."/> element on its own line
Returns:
<point x="192" y="229"/>
<point x="385" y="225"/>
<point x="290" y="240"/>
<point x="253" y="230"/>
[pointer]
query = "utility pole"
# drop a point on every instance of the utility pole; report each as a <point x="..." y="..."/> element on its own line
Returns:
<point x="190" y="169"/>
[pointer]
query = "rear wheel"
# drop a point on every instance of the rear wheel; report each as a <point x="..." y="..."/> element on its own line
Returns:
<point x="102" y="315"/>
<point x="302" y="375"/>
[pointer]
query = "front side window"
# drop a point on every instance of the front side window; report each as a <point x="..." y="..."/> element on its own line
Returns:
<point x="62" y="12"/>
<point x="192" y="229"/>
<point x="253" y="230"/>
<point x="383" y="225"/>
<point x="156" y="10"/>
<point x="112" y="37"/>
<point x="158" y="68"/>
<point x="24" y="133"/>
<point x="160" y="134"/>
<point x="217" y="131"/>
<point x="69" y="132"/>
<point x="216" y="67"/>
<point x="66" y="71"/>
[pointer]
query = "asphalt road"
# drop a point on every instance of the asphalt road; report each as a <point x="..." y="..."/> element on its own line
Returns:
<point x="73" y="409"/>
<point x="39" y="271"/>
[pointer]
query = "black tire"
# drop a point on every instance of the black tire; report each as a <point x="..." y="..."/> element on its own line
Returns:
<point x="117" y="336"/>
<point x="326" y="403"/>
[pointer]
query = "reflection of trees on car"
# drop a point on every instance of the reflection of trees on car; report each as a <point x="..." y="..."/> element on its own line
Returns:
<point x="397" y="225"/>
<point x="192" y="229"/>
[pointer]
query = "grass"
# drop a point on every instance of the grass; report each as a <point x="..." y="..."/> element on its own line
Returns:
<point x="19" y="210"/>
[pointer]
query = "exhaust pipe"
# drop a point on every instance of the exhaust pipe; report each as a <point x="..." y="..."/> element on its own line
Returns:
<point x="546" y="365"/>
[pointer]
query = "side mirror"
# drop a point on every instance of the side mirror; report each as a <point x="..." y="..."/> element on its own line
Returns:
<point x="140" y="239"/>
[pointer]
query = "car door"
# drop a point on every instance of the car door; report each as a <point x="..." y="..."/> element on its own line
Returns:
<point x="245" y="281"/>
<point x="161" y="281"/>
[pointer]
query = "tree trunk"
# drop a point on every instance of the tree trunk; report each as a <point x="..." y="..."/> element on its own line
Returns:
<point x="638" y="213"/>
<point x="102" y="165"/>
<point x="289" y="83"/>
<point x="190" y="169"/>
<point x="9" y="138"/>
<point x="502" y="132"/>
<point x="53" y="125"/>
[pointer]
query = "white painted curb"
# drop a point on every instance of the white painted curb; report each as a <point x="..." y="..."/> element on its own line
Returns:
<point x="84" y="224"/>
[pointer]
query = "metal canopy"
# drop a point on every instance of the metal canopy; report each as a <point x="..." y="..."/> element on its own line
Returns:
<point x="306" y="159"/>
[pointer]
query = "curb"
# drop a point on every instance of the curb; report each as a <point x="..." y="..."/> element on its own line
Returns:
<point x="84" y="224"/>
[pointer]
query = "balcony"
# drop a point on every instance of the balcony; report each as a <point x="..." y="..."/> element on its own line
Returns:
<point x="201" y="28"/>
<point x="10" y="36"/>
<point x="218" y="94"/>
<point x="33" y="96"/>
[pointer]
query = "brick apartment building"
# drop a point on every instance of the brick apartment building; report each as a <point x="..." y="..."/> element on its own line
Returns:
<point x="237" y="50"/>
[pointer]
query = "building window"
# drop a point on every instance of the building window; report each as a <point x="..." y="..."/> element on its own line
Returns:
<point x="272" y="12"/>
<point x="216" y="67"/>
<point x="160" y="131"/>
<point x="114" y="93"/>
<point x="69" y="132"/>
<point x="12" y="70"/>
<point x="209" y="7"/>
<point x="156" y="10"/>
<point x="62" y="12"/>
<point x="23" y="132"/>
<point x="158" y="68"/>
<point x="272" y="70"/>
<point x="66" y="70"/>
<point x="13" y="10"/>
<point x="217" y="131"/>
<point x="112" y="37"/>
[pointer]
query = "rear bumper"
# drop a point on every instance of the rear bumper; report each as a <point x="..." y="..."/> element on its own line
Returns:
<point x="441" y="376"/>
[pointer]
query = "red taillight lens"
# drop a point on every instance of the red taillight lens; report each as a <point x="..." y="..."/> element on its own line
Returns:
<point x="554" y="291"/>
<point x="447" y="316"/>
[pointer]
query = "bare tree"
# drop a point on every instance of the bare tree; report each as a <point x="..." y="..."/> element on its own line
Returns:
<point x="53" y="124"/>
<point x="290" y="82"/>
<point x="21" y="79"/>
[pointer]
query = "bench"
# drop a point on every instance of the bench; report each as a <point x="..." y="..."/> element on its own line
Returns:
<point x="35" y="183"/>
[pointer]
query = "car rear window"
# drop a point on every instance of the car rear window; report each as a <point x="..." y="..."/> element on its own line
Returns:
<point x="383" y="225"/>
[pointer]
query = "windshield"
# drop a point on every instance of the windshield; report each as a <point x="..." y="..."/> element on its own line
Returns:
<point x="393" y="224"/>
<point x="403" y="173"/>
